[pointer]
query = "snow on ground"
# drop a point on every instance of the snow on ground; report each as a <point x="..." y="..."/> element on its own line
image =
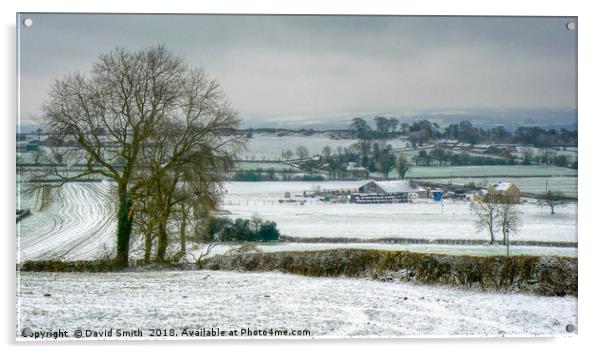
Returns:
<point x="424" y="219"/>
<point x="338" y="307"/>
<point x="271" y="147"/>
<point x="79" y="225"/>
<point x="470" y="250"/>
<point x="82" y="224"/>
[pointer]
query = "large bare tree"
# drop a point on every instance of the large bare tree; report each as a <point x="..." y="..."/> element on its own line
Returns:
<point x="496" y="212"/>
<point x="132" y="98"/>
<point x="507" y="220"/>
<point x="485" y="210"/>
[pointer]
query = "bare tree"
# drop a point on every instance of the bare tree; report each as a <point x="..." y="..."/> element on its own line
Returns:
<point x="302" y="152"/>
<point x="385" y="162"/>
<point x="403" y="166"/>
<point x="507" y="219"/>
<point x="382" y="125"/>
<point x="360" y="124"/>
<point x="130" y="96"/>
<point x="527" y="156"/>
<point x="184" y="163"/>
<point x="193" y="211"/>
<point x="485" y="210"/>
<point x="364" y="135"/>
<point x="145" y="224"/>
<point x="287" y="155"/>
<point x="546" y="155"/>
<point x="553" y="200"/>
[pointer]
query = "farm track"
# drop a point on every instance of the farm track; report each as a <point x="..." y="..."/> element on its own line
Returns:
<point x="76" y="227"/>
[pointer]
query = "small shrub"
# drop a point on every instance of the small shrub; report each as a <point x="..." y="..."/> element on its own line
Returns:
<point x="240" y="230"/>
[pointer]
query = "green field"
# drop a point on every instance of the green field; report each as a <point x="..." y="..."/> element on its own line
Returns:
<point x="489" y="171"/>
<point x="566" y="185"/>
<point x="278" y="166"/>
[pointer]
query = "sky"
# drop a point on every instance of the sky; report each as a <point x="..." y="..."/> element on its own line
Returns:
<point x="314" y="67"/>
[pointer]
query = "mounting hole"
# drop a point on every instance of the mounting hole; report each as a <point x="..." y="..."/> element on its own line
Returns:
<point x="571" y="26"/>
<point x="570" y="328"/>
<point x="28" y="22"/>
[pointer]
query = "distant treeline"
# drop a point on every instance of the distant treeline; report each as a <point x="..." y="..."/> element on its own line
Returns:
<point x="425" y="131"/>
<point x="419" y="132"/>
<point x="270" y="174"/>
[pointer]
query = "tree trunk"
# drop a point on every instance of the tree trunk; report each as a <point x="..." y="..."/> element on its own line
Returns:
<point x="148" y="247"/>
<point x="124" y="230"/>
<point x="162" y="242"/>
<point x="183" y="235"/>
<point x="506" y="236"/>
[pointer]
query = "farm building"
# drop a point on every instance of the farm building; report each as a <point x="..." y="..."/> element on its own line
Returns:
<point x="386" y="192"/>
<point x="507" y="190"/>
<point x="370" y="192"/>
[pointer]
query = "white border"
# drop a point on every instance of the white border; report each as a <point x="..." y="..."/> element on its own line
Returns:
<point x="589" y="172"/>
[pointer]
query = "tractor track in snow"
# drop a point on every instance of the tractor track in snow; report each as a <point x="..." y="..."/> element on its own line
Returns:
<point x="78" y="226"/>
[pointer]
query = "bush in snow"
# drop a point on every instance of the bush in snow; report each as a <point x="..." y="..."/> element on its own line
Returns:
<point x="239" y="230"/>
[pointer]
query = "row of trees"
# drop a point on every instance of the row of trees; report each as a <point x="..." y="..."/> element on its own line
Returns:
<point x="443" y="156"/>
<point x="167" y="125"/>
<point x="373" y="158"/>
<point x="424" y="131"/>
<point x="301" y="152"/>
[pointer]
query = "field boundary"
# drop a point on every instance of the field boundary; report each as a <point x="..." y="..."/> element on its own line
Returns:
<point x="548" y="276"/>
<point x="421" y="241"/>
<point x="541" y="275"/>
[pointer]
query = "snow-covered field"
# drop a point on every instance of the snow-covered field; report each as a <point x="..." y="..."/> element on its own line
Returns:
<point x="271" y="147"/>
<point x="470" y="250"/>
<point x="332" y="307"/>
<point x="81" y="225"/>
<point x="424" y="219"/>
<point x="78" y="225"/>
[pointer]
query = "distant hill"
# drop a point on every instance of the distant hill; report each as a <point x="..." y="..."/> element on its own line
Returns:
<point x="26" y="128"/>
<point x="485" y="118"/>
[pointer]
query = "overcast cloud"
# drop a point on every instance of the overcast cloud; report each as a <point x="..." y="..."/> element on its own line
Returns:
<point x="287" y="67"/>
